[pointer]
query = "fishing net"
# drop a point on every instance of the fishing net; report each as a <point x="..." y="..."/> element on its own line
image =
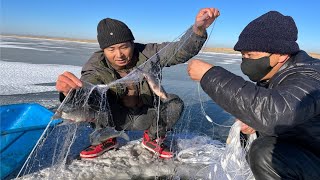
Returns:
<point x="225" y="161"/>
<point x="197" y="139"/>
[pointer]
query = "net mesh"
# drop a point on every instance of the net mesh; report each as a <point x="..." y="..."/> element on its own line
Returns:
<point x="197" y="139"/>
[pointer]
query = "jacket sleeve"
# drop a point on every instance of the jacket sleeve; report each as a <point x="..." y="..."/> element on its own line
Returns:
<point x="271" y="111"/>
<point x="172" y="53"/>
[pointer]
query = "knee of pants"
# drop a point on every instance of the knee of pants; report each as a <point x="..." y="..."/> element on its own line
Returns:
<point x="172" y="108"/>
<point x="260" y="152"/>
<point x="174" y="102"/>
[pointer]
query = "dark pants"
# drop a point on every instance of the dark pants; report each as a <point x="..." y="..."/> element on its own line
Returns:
<point x="147" y="118"/>
<point x="272" y="158"/>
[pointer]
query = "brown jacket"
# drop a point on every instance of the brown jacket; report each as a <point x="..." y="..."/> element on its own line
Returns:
<point x="98" y="70"/>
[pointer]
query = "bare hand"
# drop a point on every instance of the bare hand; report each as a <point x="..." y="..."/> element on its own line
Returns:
<point x="204" y="19"/>
<point x="245" y="129"/>
<point x="197" y="68"/>
<point x="66" y="82"/>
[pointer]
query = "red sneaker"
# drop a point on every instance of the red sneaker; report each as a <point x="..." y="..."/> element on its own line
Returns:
<point x="156" y="146"/>
<point x="95" y="151"/>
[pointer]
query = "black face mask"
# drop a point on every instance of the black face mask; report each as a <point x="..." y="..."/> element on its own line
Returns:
<point x="256" y="69"/>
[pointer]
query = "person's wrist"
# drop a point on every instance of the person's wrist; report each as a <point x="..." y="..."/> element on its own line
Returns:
<point x="209" y="66"/>
<point x="198" y="30"/>
<point x="205" y="73"/>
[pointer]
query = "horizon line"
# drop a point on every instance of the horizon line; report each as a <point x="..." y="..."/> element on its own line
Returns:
<point x="80" y="40"/>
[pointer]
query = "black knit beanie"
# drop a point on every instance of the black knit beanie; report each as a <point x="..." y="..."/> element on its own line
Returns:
<point x="111" y="31"/>
<point x="271" y="32"/>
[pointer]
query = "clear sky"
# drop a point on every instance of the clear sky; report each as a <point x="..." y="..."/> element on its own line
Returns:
<point x="154" y="20"/>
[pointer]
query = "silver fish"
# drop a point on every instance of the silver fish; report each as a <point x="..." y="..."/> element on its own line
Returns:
<point x="100" y="135"/>
<point x="154" y="84"/>
<point x="76" y="115"/>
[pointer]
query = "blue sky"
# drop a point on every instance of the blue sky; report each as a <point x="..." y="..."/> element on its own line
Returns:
<point x="154" y="21"/>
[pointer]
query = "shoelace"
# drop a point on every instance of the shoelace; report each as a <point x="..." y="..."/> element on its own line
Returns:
<point x="105" y="143"/>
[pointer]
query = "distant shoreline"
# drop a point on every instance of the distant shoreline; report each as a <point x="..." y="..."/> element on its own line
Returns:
<point x="207" y="49"/>
<point x="52" y="38"/>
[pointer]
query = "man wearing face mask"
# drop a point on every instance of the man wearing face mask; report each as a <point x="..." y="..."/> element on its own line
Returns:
<point x="284" y="104"/>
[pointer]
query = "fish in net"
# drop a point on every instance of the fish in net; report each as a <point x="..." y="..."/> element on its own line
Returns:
<point x="89" y="107"/>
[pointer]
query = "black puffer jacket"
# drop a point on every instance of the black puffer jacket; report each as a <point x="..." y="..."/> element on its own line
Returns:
<point x="287" y="107"/>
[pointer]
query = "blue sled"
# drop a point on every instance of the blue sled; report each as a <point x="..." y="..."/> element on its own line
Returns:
<point x="21" y="126"/>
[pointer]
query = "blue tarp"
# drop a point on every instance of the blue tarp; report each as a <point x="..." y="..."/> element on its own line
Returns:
<point x="21" y="126"/>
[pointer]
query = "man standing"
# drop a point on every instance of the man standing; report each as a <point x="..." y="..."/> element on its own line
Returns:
<point x="283" y="106"/>
<point x="132" y="106"/>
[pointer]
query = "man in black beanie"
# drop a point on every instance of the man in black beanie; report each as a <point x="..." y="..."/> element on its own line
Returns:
<point x="284" y="104"/>
<point x="133" y="107"/>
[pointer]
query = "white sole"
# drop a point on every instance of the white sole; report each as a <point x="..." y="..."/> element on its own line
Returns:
<point x="96" y="155"/>
<point x="160" y="155"/>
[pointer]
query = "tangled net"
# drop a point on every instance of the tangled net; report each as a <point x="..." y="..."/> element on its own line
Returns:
<point x="90" y="104"/>
<point x="225" y="161"/>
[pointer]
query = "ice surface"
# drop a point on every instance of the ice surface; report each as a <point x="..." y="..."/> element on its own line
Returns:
<point x="23" y="78"/>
